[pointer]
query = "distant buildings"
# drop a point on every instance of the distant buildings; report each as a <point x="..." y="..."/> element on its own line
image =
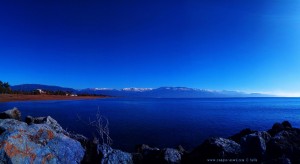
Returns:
<point x="72" y="95"/>
<point x="41" y="91"/>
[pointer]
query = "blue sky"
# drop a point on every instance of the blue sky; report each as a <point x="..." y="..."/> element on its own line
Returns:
<point x="249" y="45"/>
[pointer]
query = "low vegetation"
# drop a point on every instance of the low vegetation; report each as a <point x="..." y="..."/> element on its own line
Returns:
<point x="5" y="88"/>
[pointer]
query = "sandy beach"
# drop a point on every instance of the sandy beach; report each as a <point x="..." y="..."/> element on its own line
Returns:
<point x="20" y="97"/>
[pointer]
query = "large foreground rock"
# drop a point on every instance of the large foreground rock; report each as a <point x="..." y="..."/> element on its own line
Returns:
<point x="36" y="143"/>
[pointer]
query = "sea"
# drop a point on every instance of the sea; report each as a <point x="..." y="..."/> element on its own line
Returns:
<point x="164" y="122"/>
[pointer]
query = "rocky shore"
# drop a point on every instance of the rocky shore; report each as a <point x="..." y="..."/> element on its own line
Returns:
<point x="43" y="140"/>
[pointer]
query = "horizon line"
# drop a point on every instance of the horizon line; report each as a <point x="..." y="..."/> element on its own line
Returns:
<point x="270" y="93"/>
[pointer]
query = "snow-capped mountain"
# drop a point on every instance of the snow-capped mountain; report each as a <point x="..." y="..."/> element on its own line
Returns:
<point x="137" y="89"/>
<point x="162" y="92"/>
<point x="101" y="89"/>
<point x="170" y="92"/>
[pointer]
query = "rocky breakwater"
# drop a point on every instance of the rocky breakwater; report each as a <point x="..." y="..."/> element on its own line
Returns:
<point x="279" y="145"/>
<point x="43" y="140"/>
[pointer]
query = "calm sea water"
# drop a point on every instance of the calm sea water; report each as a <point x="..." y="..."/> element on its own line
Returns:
<point x="167" y="122"/>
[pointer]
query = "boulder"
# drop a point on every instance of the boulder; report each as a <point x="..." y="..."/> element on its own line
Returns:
<point x="45" y="120"/>
<point x="111" y="156"/>
<point x="91" y="154"/>
<point x="181" y="150"/>
<point x="254" y="145"/>
<point x="214" y="148"/>
<point x="286" y="125"/>
<point x="172" y="156"/>
<point x="137" y="158"/>
<point x="29" y="120"/>
<point x="282" y="160"/>
<point x="36" y="143"/>
<point x="276" y="128"/>
<point x="11" y="114"/>
<point x="221" y="147"/>
<point x="104" y="149"/>
<point x="149" y="154"/>
<point x="237" y="137"/>
<point x="117" y="156"/>
<point x="145" y="148"/>
<point x="285" y="143"/>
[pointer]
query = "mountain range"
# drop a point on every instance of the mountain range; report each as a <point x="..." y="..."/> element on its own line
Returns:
<point x="31" y="87"/>
<point x="162" y="92"/>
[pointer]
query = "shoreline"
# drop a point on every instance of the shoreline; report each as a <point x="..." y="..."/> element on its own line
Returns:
<point x="20" y="97"/>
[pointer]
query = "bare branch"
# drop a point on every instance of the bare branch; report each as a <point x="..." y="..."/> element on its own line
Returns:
<point x="101" y="125"/>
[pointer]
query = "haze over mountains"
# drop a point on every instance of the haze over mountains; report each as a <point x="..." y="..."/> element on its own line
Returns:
<point x="162" y="92"/>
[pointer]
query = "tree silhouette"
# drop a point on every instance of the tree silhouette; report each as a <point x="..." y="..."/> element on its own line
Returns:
<point x="1" y="86"/>
<point x="5" y="87"/>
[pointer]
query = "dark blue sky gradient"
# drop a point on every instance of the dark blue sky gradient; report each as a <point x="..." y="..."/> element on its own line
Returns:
<point x="250" y="45"/>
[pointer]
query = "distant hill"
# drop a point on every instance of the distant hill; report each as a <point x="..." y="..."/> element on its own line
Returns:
<point x="162" y="92"/>
<point x="31" y="87"/>
<point x="169" y="92"/>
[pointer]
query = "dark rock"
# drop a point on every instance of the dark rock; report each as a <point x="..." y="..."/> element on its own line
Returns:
<point x="172" y="156"/>
<point x="2" y="130"/>
<point x="150" y="155"/>
<point x="22" y="143"/>
<point x="237" y="137"/>
<point x="276" y="128"/>
<point x="143" y="147"/>
<point x="213" y="148"/>
<point x="137" y="158"/>
<point x="285" y="143"/>
<point x="221" y="147"/>
<point x="29" y="120"/>
<point x="181" y="150"/>
<point x="254" y="145"/>
<point x="92" y="154"/>
<point x="282" y="160"/>
<point x="11" y="114"/>
<point x="111" y="156"/>
<point x="264" y="135"/>
<point x="286" y="125"/>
